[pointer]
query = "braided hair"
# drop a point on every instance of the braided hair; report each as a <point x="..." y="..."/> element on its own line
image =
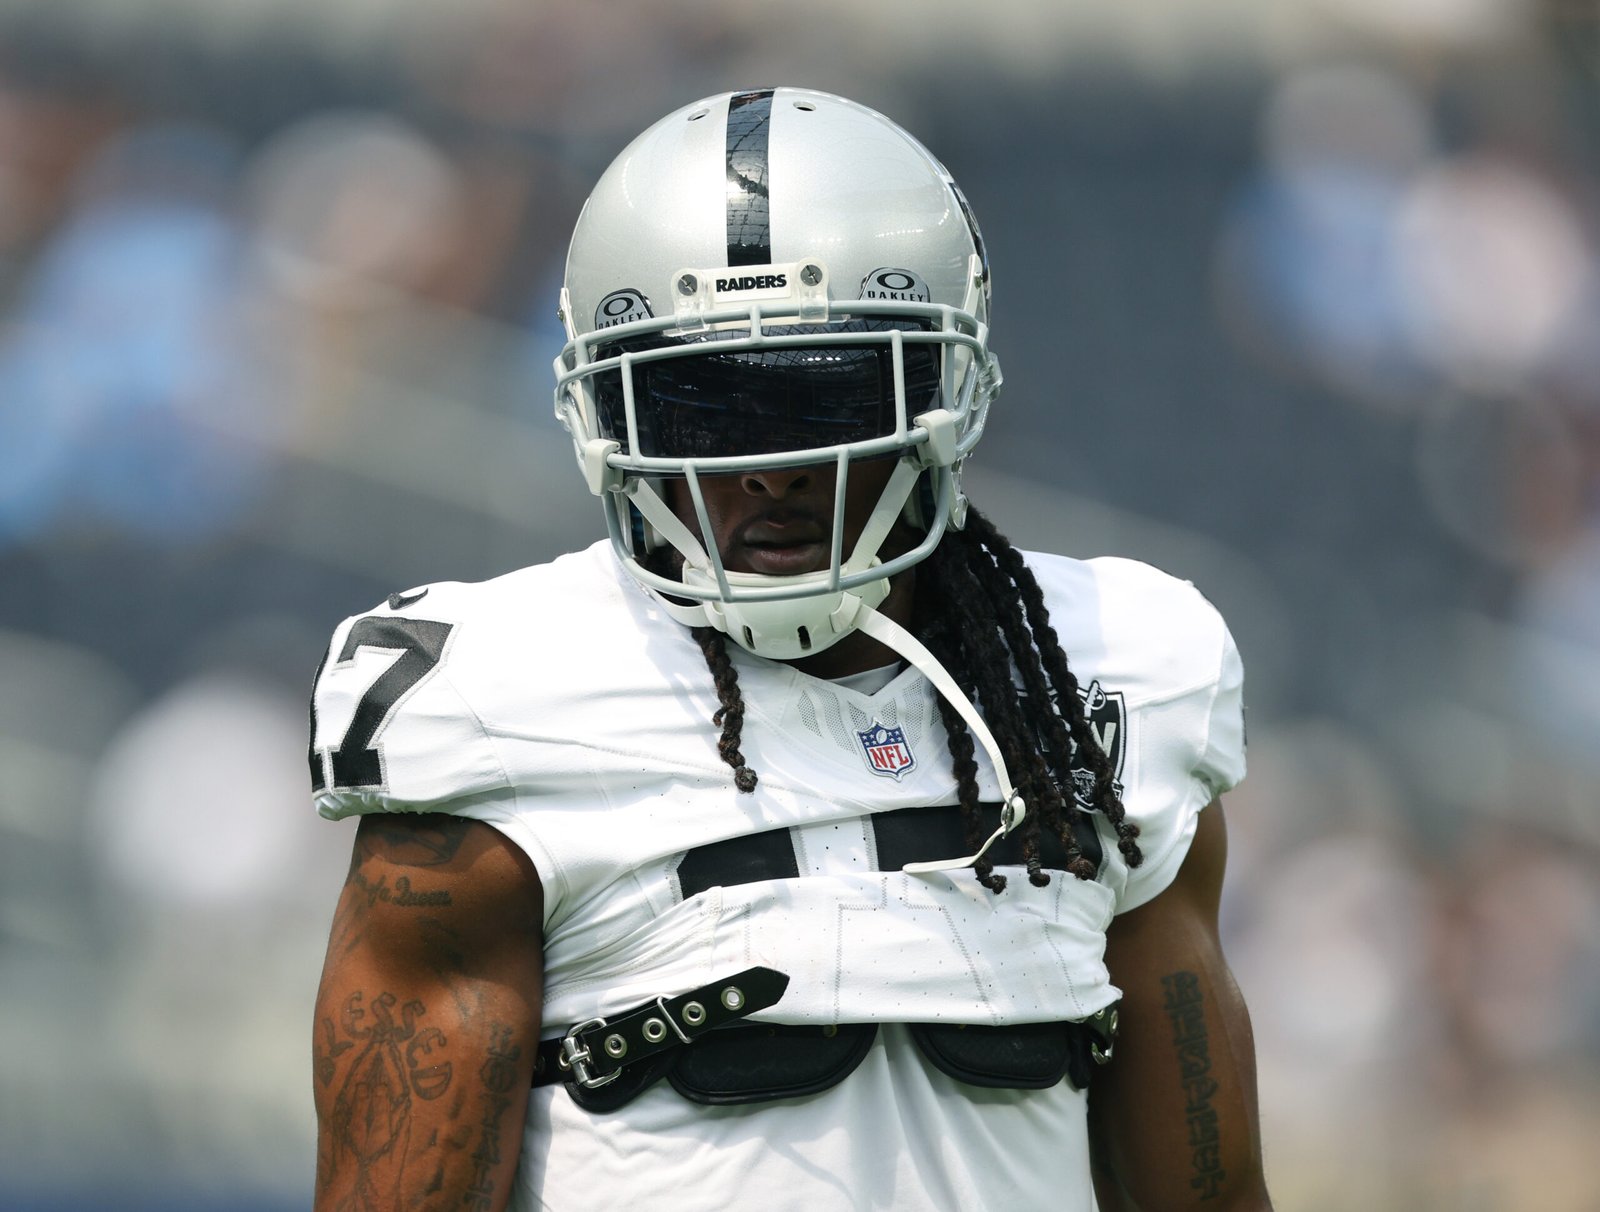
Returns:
<point x="980" y="611"/>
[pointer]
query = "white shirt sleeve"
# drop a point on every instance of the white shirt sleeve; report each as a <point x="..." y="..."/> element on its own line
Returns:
<point x="1191" y="749"/>
<point x="389" y="731"/>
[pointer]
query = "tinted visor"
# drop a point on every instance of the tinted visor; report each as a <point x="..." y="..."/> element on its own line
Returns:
<point x="707" y="404"/>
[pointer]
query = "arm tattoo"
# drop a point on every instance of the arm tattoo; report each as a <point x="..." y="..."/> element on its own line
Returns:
<point x="402" y="894"/>
<point x="1185" y="1006"/>
<point x="329" y="1050"/>
<point x="397" y="1061"/>
<point x="428" y="839"/>
<point x="499" y="1077"/>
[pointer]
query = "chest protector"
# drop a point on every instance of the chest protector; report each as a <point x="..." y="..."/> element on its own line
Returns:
<point x="761" y="1062"/>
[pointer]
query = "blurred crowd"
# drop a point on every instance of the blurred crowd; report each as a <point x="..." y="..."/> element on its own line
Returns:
<point x="1308" y="315"/>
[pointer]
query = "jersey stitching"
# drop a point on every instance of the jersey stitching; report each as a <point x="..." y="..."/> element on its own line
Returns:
<point x="489" y="735"/>
<point x="1061" y="960"/>
<point x="1159" y="861"/>
<point x="1173" y="695"/>
<point x="1211" y="704"/>
<point x="580" y="743"/>
<point x="706" y="915"/>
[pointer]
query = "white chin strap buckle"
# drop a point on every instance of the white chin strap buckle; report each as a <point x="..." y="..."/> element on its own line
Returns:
<point x="1010" y="817"/>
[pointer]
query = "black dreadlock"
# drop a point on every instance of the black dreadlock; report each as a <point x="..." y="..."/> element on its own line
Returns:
<point x="980" y="611"/>
<point x="982" y="614"/>
<point x="730" y="715"/>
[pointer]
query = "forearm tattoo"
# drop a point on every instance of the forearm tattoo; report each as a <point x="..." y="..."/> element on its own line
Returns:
<point x="1185" y="1006"/>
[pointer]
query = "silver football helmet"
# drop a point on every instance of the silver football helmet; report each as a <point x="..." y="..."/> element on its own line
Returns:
<point x="774" y="279"/>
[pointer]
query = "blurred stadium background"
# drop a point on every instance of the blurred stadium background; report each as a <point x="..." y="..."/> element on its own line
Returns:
<point x="1299" y="300"/>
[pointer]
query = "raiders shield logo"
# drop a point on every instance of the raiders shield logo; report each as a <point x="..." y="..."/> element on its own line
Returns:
<point x="1108" y="723"/>
<point x="886" y="750"/>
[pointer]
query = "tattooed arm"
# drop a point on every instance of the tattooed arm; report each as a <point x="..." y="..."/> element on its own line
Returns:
<point x="1173" y="1117"/>
<point x="427" y="1018"/>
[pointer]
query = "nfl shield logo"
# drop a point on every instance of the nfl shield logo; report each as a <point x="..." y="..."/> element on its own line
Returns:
<point x="886" y="750"/>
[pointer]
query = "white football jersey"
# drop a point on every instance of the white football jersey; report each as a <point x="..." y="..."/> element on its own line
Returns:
<point x="560" y="704"/>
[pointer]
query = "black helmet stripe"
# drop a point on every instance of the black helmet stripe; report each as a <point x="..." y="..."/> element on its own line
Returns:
<point x="749" y="217"/>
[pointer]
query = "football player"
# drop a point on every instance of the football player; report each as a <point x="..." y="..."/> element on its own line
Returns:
<point x="803" y="843"/>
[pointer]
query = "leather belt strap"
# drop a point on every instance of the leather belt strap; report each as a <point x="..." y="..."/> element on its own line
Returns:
<point x="595" y="1052"/>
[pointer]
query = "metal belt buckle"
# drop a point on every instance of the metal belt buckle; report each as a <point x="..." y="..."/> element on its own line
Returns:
<point x="1103" y="1024"/>
<point x="575" y="1057"/>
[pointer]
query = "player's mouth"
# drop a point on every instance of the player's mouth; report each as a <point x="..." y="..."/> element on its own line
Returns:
<point x="784" y="545"/>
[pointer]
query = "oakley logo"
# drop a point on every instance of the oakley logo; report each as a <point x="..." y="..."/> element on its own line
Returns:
<point x="622" y="307"/>
<point x="752" y="282"/>
<point x="900" y="284"/>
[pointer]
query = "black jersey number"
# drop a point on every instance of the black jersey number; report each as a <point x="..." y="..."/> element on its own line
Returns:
<point x="356" y="762"/>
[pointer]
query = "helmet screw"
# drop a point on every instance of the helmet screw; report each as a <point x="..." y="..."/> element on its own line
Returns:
<point x="688" y="284"/>
<point x="810" y="274"/>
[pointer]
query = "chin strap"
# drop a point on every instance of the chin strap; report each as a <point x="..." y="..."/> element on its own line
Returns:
<point x="889" y="633"/>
